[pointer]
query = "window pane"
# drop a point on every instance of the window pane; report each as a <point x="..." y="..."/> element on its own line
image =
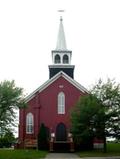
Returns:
<point x="29" y="123"/>
<point x="61" y="103"/>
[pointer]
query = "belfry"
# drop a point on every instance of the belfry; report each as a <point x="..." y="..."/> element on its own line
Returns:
<point x="61" y="56"/>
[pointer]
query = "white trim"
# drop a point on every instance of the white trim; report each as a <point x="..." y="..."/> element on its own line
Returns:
<point x="61" y="51"/>
<point x="61" y="66"/>
<point x="54" y="78"/>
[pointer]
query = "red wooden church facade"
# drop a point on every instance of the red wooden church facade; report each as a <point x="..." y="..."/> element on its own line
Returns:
<point x="52" y="102"/>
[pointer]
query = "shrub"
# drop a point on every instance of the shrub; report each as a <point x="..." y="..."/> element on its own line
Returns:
<point x="42" y="138"/>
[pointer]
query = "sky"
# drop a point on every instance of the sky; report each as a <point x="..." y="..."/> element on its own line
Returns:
<point x="28" y="34"/>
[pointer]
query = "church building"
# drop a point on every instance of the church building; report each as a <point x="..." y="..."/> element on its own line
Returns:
<point x="51" y="103"/>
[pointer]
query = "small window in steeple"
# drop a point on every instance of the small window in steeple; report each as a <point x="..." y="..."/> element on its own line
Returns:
<point x="65" y="59"/>
<point x="57" y="58"/>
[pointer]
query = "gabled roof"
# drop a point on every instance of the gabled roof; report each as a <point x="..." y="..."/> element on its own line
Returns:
<point x="54" y="78"/>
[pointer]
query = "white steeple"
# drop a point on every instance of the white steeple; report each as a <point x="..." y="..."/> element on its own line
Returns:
<point x="61" y="56"/>
<point x="61" y="42"/>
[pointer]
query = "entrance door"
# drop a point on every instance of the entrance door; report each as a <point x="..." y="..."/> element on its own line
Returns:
<point x="61" y="134"/>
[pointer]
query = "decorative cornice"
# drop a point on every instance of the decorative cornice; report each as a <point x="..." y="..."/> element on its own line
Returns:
<point x="61" y="51"/>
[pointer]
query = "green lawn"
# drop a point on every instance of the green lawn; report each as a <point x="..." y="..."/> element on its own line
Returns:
<point x="113" y="149"/>
<point x="22" y="154"/>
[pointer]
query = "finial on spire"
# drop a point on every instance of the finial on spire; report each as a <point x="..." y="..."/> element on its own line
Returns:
<point x="61" y="11"/>
<point x="61" y="19"/>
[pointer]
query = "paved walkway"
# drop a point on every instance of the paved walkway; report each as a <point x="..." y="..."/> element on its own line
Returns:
<point x="74" y="156"/>
<point x="62" y="156"/>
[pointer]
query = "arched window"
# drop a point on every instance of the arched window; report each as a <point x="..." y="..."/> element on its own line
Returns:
<point x="61" y="103"/>
<point x="65" y="59"/>
<point x="29" y="123"/>
<point x="57" y="58"/>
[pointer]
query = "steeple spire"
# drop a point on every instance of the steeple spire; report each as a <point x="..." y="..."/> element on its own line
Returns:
<point x="61" y="42"/>
<point x="61" y="56"/>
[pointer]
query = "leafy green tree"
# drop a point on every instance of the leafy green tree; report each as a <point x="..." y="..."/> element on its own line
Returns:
<point x="87" y="121"/>
<point x="109" y="94"/>
<point x="11" y="98"/>
<point x="42" y="138"/>
<point x="98" y="112"/>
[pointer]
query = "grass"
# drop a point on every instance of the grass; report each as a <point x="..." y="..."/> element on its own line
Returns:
<point x="22" y="154"/>
<point x="113" y="149"/>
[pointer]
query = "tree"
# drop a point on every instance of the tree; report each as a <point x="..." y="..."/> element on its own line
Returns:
<point x="42" y="138"/>
<point x="99" y="111"/>
<point x="109" y="94"/>
<point x="87" y="121"/>
<point x="11" y="98"/>
<point x="7" y="139"/>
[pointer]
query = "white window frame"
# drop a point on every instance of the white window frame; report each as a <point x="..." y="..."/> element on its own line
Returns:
<point x="61" y="103"/>
<point x="29" y="123"/>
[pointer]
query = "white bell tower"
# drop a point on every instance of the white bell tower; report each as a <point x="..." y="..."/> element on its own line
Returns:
<point x="61" y="56"/>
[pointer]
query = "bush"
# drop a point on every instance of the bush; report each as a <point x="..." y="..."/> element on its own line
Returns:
<point x="42" y="138"/>
<point x="7" y="139"/>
